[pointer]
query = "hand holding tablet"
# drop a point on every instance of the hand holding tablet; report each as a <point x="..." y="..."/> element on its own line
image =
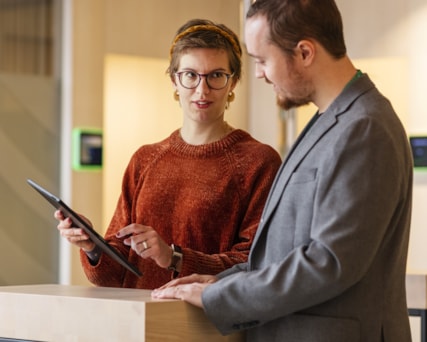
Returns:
<point x="97" y="239"/>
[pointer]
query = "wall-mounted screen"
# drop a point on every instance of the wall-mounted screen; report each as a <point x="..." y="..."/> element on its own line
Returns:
<point x="87" y="154"/>
<point x="419" y="150"/>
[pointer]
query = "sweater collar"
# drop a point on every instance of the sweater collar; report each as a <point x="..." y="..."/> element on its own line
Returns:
<point x="179" y="146"/>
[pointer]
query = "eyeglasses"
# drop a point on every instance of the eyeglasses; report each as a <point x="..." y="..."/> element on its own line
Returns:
<point x="215" y="80"/>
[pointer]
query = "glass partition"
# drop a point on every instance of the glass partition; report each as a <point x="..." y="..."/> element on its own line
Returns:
<point x="29" y="140"/>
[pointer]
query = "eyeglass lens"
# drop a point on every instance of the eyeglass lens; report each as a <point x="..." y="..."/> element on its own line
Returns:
<point x="215" y="80"/>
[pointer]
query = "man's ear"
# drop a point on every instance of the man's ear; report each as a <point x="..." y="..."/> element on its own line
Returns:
<point x="306" y="50"/>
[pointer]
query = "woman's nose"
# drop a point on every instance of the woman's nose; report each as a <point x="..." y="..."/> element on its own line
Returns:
<point x="203" y="86"/>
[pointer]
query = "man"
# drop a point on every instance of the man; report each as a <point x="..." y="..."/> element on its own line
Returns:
<point x="328" y="261"/>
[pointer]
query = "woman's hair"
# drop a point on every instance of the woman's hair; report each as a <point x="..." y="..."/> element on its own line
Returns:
<point x="291" y="21"/>
<point x="201" y="33"/>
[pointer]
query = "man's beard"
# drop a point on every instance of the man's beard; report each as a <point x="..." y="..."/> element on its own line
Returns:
<point x="288" y="103"/>
<point x="300" y="95"/>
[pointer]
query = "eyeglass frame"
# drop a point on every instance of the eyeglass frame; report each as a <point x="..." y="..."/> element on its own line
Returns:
<point x="206" y="78"/>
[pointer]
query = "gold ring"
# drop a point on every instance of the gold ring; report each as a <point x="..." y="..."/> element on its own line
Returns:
<point x="144" y="244"/>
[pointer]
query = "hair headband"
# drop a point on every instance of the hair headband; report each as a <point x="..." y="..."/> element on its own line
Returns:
<point x="216" y="29"/>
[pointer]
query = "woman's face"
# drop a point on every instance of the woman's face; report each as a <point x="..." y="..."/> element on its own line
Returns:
<point x="202" y="104"/>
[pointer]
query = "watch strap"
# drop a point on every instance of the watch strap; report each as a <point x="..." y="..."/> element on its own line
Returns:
<point x="176" y="258"/>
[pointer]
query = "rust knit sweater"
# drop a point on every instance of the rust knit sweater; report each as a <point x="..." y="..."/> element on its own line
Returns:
<point x="208" y="199"/>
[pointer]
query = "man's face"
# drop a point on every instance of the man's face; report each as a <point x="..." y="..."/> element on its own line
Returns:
<point x="284" y="72"/>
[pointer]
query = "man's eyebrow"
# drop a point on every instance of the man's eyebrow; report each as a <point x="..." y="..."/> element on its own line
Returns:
<point x="246" y="50"/>
<point x="250" y="54"/>
<point x="258" y="57"/>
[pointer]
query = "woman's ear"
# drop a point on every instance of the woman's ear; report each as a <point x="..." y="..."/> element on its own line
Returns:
<point x="233" y="83"/>
<point x="174" y="85"/>
<point x="175" y="88"/>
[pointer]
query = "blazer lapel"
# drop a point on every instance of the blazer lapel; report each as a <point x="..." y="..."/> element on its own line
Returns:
<point x="303" y="146"/>
<point x="298" y="151"/>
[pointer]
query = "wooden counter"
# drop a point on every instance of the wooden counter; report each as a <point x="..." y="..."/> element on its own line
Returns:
<point x="78" y="313"/>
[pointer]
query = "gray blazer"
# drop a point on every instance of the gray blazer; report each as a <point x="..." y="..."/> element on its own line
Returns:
<point x="328" y="260"/>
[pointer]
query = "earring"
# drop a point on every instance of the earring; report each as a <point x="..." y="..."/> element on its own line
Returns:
<point x="231" y="96"/>
<point x="176" y="95"/>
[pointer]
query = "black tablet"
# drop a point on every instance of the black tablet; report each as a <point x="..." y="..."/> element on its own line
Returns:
<point x="79" y="222"/>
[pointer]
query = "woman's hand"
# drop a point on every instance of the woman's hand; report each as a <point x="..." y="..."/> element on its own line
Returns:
<point x="147" y="243"/>
<point x="76" y="236"/>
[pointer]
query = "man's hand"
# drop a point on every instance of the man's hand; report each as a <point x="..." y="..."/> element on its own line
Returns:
<point x="188" y="289"/>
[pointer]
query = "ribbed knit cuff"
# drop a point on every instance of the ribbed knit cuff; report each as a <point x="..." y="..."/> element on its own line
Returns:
<point x="94" y="255"/>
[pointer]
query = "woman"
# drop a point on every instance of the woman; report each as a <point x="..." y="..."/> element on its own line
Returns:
<point x="190" y="203"/>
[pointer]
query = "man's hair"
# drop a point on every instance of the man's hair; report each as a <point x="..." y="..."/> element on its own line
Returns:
<point x="291" y="21"/>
